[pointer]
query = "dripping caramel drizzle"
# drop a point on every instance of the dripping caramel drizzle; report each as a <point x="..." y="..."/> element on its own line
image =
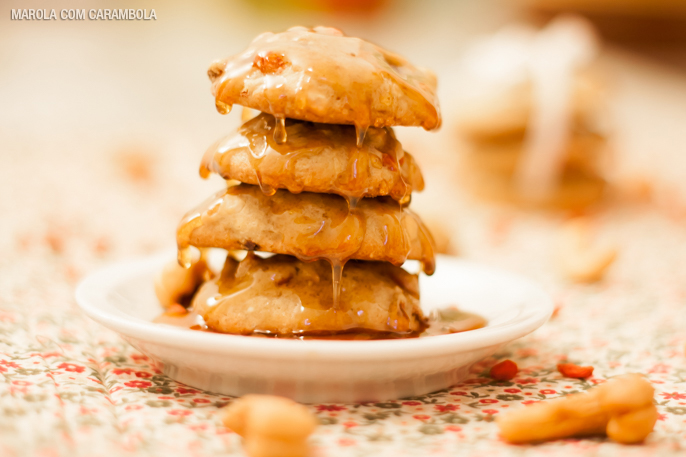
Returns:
<point x="317" y="56"/>
<point x="280" y="133"/>
<point x="262" y="136"/>
<point x="379" y="166"/>
<point x="280" y="294"/>
<point x="320" y="226"/>
<point x="266" y="134"/>
<point x="272" y="55"/>
<point x="436" y="324"/>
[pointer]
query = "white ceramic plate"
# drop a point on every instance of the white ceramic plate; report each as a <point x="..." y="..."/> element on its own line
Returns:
<point x="121" y="297"/>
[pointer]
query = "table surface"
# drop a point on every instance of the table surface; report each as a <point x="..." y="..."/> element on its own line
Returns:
<point x="77" y="196"/>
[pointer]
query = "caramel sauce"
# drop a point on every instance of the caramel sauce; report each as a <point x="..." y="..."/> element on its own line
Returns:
<point x="360" y="134"/>
<point x="300" y="72"/>
<point x="280" y="133"/>
<point x="222" y="108"/>
<point x="353" y="170"/>
<point x="427" y="243"/>
<point x="190" y="320"/>
<point x="451" y="319"/>
<point x="282" y="295"/>
<point x="444" y="321"/>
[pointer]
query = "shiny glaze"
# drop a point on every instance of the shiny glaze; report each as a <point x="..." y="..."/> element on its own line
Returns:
<point x="280" y="294"/>
<point x="276" y="165"/>
<point x="322" y="65"/>
<point x="315" y="226"/>
<point x="436" y="324"/>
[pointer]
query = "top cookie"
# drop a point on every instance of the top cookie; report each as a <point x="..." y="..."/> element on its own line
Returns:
<point x="320" y="75"/>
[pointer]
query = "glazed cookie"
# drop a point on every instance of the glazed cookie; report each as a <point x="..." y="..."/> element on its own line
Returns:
<point x="308" y="226"/>
<point x="321" y="75"/>
<point x="281" y="295"/>
<point x="321" y="158"/>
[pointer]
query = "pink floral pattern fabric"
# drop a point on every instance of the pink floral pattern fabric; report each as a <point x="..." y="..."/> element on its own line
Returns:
<point x="69" y="387"/>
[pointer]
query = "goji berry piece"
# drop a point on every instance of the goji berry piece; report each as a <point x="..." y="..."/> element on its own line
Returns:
<point x="570" y="370"/>
<point x="504" y="371"/>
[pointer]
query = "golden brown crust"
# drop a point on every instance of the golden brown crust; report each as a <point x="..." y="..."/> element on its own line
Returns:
<point x="320" y="75"/>
<point x="308" y="226"/>
<point x="320" y="158"/>
<point x="284" y="296"/>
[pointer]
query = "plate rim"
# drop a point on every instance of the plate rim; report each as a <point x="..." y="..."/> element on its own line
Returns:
<point x="91" y="290"/>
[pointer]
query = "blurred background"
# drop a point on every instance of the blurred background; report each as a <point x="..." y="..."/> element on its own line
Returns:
<point x="103" y="124"/>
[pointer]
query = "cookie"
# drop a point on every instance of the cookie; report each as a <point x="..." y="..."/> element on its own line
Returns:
<point x="281" y="295"/>
<point x="321" y="75"/>
<point x="308" y="226"/>
<point x="320" y="158"/>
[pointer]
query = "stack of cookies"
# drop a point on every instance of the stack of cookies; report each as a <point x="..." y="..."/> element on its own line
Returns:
<point x="318" y="179"/>
<point x="532" y="117"/>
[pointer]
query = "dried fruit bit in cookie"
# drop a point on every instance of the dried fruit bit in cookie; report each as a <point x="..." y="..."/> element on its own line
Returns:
<point x="271" y="426"/>
<point x="504" y="371"/>
<point x="622" y="409"/>
<point x="270" y="63"/>
<point x="569" y="370"/>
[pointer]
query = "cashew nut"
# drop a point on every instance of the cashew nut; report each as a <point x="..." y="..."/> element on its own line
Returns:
<point x="271" y="426"/>
<point x="622" y="409"/>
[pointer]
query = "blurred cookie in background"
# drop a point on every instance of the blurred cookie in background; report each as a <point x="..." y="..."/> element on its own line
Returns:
<point x="532" y="116"/>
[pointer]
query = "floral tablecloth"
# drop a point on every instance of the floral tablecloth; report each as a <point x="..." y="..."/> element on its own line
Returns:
<point x="70" y="387"/>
